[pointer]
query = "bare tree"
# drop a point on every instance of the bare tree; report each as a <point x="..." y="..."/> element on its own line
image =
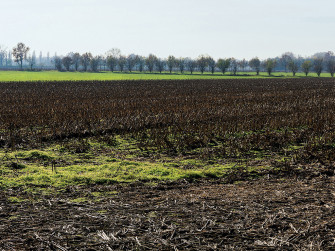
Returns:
<point x="318" y="65"/>
<point x="58" y="63"/>
<point x="160" y="63"/>
<point x="286" y="58"/>
<point x="67" y="62"/>
<point x="76" y="59"/>
<point x="269" y="65"/>
<point x="255" y="64"/>
<point x="112" y="62"/>
<point x="171" y="63"/>
<point x="140" y="61"/>
<point x="202" y="63"/>
<point x="150" y="62"/>
<point x="293" y="66"/>
<point x="113" y="58"/>
<point x="211" y="64"/>
<point x="20" y="53"/>
<point x="233" y="66"/>
<point x="306" y="66"/>
<point x="331" y="67"/>
<point x="115" y="52"/>
<point x="94" y="63"/>
<point x="122" y="62"/>
<point x="102" y="63"/>
<point x="243" y="64"/>
<point x="223" y="64"/>
<point x="181" y="63"/>
<point x="31" y="61"/>
<point x="85" y="60"/>
<point x="191" y="64"/>
<point x="330" y="62"/>
<point x="131" y="61"/>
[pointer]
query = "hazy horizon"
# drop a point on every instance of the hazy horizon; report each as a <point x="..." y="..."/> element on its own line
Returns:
<point x="220" y="28"/>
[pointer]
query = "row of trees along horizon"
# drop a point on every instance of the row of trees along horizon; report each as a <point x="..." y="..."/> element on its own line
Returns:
<point x="113" y="61"/>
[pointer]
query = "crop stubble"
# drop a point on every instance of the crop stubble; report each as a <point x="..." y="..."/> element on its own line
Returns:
<point x="226" y="118"/>
<point x="172" y="115"/>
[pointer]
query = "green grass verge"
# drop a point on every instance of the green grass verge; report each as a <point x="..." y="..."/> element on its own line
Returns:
<point x="7" y="76"/>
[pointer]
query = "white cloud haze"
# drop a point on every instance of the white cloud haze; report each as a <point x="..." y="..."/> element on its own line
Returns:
<point x="221" y="28"/>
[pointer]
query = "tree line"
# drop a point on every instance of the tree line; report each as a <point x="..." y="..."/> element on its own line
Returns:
<point x="113" y="61"/>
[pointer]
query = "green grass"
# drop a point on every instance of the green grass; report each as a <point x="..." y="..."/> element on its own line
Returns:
<point x="15" y="199"/>
<point x="99" y="165"/>
<point x="6" y="76"/>
<point x="58" y="165"/>
<point x="38" y="174"/>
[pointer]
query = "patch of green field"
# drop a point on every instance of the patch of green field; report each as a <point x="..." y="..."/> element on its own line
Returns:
<point x="14" y="199"/>
<point x="60" y="166"/>
<point x="88" y="174"/>
<point x="97" y="161"/>
<point x="7" y="76"/>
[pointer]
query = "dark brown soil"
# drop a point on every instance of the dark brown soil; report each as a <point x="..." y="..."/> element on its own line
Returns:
<point x="265" y="214"/>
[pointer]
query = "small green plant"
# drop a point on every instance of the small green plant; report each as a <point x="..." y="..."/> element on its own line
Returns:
<point x="79" y="200"/>
<point x="15" y="199"/>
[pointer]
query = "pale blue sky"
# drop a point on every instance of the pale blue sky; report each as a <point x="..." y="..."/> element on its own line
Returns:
<point x="221" y="28"/>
